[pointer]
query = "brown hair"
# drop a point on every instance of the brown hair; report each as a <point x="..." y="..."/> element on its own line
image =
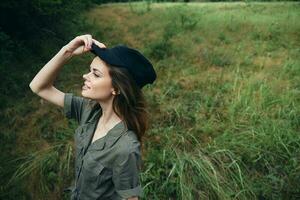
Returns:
<point x="130" y="105"/>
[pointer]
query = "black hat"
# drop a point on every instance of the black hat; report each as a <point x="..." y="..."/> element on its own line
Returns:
<point x="120" y="55"/>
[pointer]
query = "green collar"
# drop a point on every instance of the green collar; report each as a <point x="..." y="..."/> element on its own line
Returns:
<point x="106" y="141"/>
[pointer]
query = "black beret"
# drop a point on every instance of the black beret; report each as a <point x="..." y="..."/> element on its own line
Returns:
<point x="121" y="55"/>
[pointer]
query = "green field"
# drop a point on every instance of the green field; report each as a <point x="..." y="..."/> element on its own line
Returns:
<point x="225" y="108"/>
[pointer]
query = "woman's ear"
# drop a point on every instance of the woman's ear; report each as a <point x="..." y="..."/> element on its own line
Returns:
<point x="114" y="92"/>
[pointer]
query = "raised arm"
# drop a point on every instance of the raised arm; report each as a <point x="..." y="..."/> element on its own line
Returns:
<point x="42" y="83"/>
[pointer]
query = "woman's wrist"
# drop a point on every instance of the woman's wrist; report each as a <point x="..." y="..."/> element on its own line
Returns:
<point x="66" y="53"/>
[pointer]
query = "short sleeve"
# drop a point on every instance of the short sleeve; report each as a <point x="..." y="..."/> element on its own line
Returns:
<point x="74" y="106"/>
<point x="126" y="175"/>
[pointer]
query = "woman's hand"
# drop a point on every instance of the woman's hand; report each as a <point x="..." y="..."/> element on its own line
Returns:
<point x="101" y="45"/>
<point x="82" y="44"/>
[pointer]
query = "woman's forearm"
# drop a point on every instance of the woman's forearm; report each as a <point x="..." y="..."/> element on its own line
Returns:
<point x="47" y="75"/>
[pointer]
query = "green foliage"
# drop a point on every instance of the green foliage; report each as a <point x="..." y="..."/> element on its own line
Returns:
<point x="217" y="56"/>
<point x="225" y="107"/>
<point x="142" y="8"/>
<point x="50" y="166"/>
<point x="26" y="28"/>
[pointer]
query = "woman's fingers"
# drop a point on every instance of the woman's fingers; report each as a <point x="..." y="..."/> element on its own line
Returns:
<point x="86" y="42"/>
<point x="85" y="39"/>
<point x="101" y="45"/>
<point x="79" y="48"/>
<point x="90" y="41"/>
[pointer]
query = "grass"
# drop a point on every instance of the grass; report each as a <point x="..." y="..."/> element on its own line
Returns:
<point x="225" y="106"/>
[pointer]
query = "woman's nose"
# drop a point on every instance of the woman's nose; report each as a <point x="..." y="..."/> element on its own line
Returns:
<point x="85" y="76"/>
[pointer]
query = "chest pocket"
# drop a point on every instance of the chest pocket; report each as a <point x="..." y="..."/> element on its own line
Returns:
<point x="92" y="173"/>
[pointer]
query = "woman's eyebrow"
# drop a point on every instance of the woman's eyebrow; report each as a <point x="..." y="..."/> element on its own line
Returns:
<point x="96" y="69"/>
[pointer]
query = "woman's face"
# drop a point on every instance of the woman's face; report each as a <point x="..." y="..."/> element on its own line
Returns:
<point x="97" y="83"/>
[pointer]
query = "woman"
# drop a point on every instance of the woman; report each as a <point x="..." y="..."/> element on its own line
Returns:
<point x="111" y="115"/>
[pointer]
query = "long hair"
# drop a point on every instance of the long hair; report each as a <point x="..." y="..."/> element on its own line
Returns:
<point x="130" y="104"/>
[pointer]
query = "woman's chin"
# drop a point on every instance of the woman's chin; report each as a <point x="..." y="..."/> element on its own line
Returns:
<point x="84" y="93"/>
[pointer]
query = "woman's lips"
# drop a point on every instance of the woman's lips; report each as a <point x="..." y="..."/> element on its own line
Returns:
<point x="85" y="87"/>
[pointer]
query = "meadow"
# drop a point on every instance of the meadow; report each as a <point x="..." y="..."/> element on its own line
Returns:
<point x="224" y="110"/>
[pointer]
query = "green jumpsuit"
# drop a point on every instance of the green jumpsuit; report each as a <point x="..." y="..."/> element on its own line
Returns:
<point x="109" y="167"/>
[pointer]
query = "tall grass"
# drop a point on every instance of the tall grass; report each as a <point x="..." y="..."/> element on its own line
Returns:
<point x="45" y="170"/>
<point x="225" y="107"/>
